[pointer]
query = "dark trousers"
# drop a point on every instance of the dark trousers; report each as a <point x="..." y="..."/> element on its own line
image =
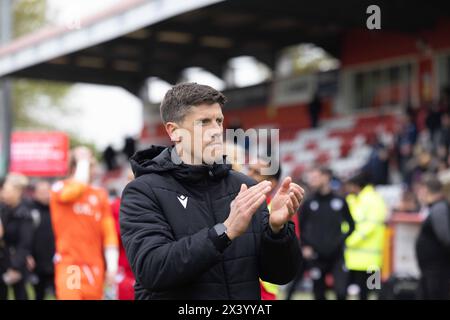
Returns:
<point x="435" y="283"/>
<point x="319" y="268"/>
<point x="45" y="282"/>
<point x="298" y="277"/>
<point x="360" y="279"/>
<point x="335" y="267"/>
<point x="20" y="292"/>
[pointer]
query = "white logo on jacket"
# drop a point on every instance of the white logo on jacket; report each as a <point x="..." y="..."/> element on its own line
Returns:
<point x="337" y="204"/>
<point x="314" y="205"/>
<point x="183" y="200"/>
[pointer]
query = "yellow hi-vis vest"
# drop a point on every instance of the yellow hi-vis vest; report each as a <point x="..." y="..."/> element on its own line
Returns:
<point x="364" y="246"/>
<point x="270" y="287"/>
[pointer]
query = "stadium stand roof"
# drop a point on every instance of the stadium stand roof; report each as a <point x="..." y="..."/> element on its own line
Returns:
<point x="138" y="39"/>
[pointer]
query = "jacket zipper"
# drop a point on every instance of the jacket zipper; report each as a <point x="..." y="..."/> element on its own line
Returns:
<point x="210" y="207"/>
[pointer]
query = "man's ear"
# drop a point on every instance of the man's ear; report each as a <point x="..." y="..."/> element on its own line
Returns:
<point x="172" y="131"/>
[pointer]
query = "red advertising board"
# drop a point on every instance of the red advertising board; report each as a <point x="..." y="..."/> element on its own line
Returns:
<point x="39" y="154"/>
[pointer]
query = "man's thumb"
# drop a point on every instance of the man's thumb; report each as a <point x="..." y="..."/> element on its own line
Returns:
<point x="243" y="187"/>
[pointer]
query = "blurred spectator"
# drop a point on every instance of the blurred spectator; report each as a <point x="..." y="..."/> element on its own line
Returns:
<point x="125" y="276"/>
<point x="315" y="108"/>
<point x="235" y="155"/>
<point x="130" y="147"/>
<point x="433" y="122"/>
<point x="43" y="248"/>
<point x="443" y="175"/>
<point x="365" y="244"/>
<point x="422" y="163"/>
<point x="378" y="163"/>
<point x="433" y="243"/>
<point x="421" y="117"/>
<point x="110" y="158"/>
<point x="444" y="132"/>
<point x="325" y="213"/>
<point x="406" y="139"/>
<point x="17" y="237"/>
<point x="408" y="203"/>
<point x="255" y="171"/>
<point x="444" y="102"/>
<point x="86" y="238"/>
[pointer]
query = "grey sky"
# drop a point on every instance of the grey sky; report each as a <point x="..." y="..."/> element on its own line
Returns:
<point x="105" y="115"/>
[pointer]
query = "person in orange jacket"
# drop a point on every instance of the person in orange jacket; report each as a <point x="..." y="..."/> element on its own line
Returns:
<point x="85" y="234"/>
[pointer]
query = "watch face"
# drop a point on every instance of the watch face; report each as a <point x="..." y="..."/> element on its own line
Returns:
<point x="220" y="229"/>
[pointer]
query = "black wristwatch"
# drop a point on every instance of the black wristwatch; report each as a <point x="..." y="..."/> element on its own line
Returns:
<point x="218" y="235"/>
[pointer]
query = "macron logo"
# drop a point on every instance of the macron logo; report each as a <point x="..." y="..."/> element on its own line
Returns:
<point x="183" y="200"/>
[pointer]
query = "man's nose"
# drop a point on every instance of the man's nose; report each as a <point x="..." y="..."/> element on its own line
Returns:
<point x="215" y="132"/>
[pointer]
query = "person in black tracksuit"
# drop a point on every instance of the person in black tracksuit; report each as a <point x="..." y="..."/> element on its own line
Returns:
<point x="192" y="228"/>
<point x="433" y="244"/>
<point x="16" y="242"/>
<point x="43" y="248"/>
<point x="322" y="240"/>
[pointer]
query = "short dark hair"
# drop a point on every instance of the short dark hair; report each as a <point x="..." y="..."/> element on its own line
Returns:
<point x="183" y="96"/>
<point x="361" y="179"/>
<point x="269" y="162"/>
<point x="432" y="183"/>
<point x="324" y="170"/>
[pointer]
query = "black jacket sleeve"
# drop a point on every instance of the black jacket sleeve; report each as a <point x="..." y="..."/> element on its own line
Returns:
<point x="279" y="258"/>
<point x="303" y="215"/>
<point x="347" y="216"/>
<point x="25" y="239"/>
<point x="440" y="223"/>
<point x="158" y="261"/>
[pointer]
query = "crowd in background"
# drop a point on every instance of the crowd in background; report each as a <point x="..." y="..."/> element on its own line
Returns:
<point x="417" y="156"/>
<point x="420" y="145"/>
<point x="41" y="238"/>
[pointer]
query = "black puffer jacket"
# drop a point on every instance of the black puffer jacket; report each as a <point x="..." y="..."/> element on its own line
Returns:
<point x="165" y="217"/>
<point x="18" y="236"/>
<point x="43" y="248"/>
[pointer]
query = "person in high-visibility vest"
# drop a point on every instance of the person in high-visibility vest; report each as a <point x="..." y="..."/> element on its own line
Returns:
<point x="363" y="254"/>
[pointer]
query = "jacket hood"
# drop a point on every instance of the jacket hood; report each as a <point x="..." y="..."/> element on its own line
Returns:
<point x="158" y="159"/>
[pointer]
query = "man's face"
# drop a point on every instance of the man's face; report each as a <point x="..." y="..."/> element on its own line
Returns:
<point x="235" y="156"/>
<point x="42" y="192"/>
<point x="254" y="171"/>
<point x="317" y="180"/>
<point x="10" y="194"/>
<point x="423" y="194"/>
<point x="201" y="133"/>
<point x="351" y="188"/>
